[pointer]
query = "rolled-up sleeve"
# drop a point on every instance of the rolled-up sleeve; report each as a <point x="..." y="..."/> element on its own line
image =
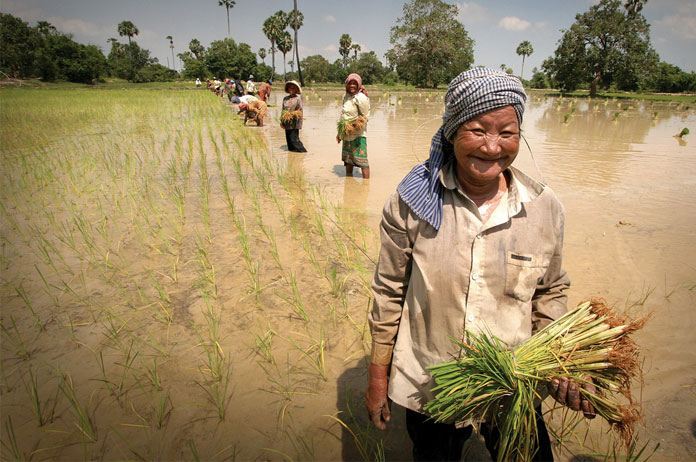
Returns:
<point x="391" y="280"/>
<point x="550" y="300"/>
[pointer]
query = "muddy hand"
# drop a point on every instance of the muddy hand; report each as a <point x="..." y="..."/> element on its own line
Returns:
<point x="376" y="396"/>
<point x="568" y="394"/>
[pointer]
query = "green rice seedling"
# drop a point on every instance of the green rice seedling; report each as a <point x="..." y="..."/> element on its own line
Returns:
<point x="43" y="411"/>
<point x="206" y="271"/>
<point x="194" y="451"/>
<point x="683" y="132"/>
<point x="302" y="446"/>
<point x="15" y="342"/>
<point x="565" y="118"/>
<point x="616" y="116"/>
<point x="296" y="300"/>
<point x="635" y="453"/>
<point x="160" y="398"/>
<point x="365" y="435"/>
<point x="313" y="259"/>
<point x="251" y="265"/>
<point x="84" y="421"/>
<point x="314" y="354"/>
<point x="415" y="110"/>
<point x="268" y="232"/>
<point x="116" y="389"/>
<point x="12" y="447"/>
<point x="216" y="376"/>
<point x="263" y="346"/>
<point x="25" y="298"/>
<point x="164" y="303"/>
<point x="642" y="298"/>
<point x="337" y="284"/>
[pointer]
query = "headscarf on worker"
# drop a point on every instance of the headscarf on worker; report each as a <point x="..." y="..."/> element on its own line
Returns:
<point x="471" y="93"/>
<point x="358" y="80"/>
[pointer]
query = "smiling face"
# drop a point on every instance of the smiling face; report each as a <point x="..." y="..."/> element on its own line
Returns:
<point x="292" y="89"/>
<point x="485" y="146"/>
<point x="352" y="87"/>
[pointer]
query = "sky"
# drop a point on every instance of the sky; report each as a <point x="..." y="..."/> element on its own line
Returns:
<point x="497" y="26"/>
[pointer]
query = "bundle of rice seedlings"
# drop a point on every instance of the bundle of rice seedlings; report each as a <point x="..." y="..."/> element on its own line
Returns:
<point x="491" y="382"/>
<point x="347" y="128"/>
<point x="290" y="117"/>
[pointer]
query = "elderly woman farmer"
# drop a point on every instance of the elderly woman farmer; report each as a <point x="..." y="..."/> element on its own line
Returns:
<point x="468" y="242"/>
<point x="352" y="126"/>
<point x="291" y="116"/>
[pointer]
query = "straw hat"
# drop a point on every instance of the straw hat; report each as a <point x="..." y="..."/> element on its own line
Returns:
<point x="293" y="82"/>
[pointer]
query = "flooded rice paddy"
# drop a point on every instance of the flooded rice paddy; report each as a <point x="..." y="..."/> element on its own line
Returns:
<point x="178" y="287"/>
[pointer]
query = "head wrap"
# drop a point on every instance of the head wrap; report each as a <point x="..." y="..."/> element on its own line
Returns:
<point x="293" y="82"/>
<point x="471" y="93"/>
<point x="358" y="80"/>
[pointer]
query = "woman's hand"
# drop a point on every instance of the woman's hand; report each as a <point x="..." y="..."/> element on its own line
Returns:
<point x="568" y="394"/>
<point x="338" y="139"/>
<point x="376" y="395"/>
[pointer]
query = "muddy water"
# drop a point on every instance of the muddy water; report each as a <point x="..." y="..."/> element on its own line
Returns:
<point x="629" y="188"/>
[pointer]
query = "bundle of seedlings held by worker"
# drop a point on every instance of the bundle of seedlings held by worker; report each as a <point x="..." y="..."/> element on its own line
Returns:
<point x="290" y="117"/>
<point x="348" y="128"/>
<point x="490" y="382"/>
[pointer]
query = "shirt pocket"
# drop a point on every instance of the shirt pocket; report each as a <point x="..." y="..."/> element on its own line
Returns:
<point x="522" y="273"/>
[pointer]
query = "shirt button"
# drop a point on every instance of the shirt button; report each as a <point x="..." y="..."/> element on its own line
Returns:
<point x="474" y="276"/>
<point x="479" y="236"/>
<point x="470" y="318"/>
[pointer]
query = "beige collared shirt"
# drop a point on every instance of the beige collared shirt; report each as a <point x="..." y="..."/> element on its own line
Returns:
<point x="503" y="276"/>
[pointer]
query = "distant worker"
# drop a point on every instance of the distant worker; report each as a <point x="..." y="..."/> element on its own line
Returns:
<point x="198" y="82"/>
<point x="353" y="126"/>
<point x="265" y="91"/>
<point x="250" y="87"/>
<point x="238" y="88"/>
<point x="291" y="116"/>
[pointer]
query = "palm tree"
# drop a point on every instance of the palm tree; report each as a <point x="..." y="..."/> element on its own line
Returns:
<point x="524" y="49"/>
<point x="284" y="46"/>
<point x="272" y="28"/>
<point x="127" y="29"/>
<point x="45" y="28"/>
<point x="171" y="45"/>
<point x="227" y="4"/>
<point x="296" y="19"/>
<point x="356" y="47"/>
<point x="262" y="54"/>
<point x="344" y="44"/>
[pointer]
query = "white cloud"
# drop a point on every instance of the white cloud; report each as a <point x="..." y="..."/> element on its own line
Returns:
<point x="80" y="28"/>
<point x="471" y="12"/>
<point x="513" y="23"/>
<point x="540" y="25"/>
<point x="329" y="18"/>
<point x="681" y="25"/>
<point x="18" y="9"/>
<point x="330" y="48"/>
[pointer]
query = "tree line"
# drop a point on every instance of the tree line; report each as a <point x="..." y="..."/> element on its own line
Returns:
<point x="607" y="48"/>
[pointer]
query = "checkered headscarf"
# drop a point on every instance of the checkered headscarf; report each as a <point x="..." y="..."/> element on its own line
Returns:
<point x="471" y="93"/>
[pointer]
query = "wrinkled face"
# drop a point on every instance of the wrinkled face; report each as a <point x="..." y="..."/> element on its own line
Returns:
<point x="486" y="145"/>
<point x="352" y="87"/>
<point x="292" y="89"/>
